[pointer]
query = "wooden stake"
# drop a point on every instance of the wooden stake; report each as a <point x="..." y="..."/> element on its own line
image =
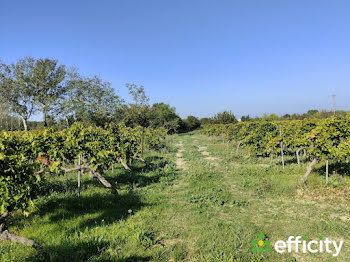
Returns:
<point x="282" y="148"/>
<point x="143" y="141"/>
<point x="327" y="173"/>
<point x="79" y="177"/>
<point x="298" y="157"/>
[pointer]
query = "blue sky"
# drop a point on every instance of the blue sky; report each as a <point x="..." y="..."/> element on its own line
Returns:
<point x="251" y="57"/>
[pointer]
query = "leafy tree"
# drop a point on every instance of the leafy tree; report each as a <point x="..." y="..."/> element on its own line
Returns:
<point x="246" y="118"/>
<point x="272" y="117"/>
<point x="191" y="123"/>
<point x="89" y="100"/>
<point x="100" y="101"/>
<point x="312" y="112"/>
<point x="163" y="115"/>
<point x="48" y="79"/>
<point x="17" y="88"/>
<point x="225" y="117"/>
<point x="205" y="121"/>
<point x="137" y="113"/>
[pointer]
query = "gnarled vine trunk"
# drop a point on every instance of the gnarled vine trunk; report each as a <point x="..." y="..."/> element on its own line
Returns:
<point x="308" y="170"/>
<point x="6" y="235"/>
<point x="238" y="146"/>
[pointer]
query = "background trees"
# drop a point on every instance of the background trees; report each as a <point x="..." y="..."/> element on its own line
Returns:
<point x="47" y="82"/>
<point x="17" y="88"/>
<point x="63" y="96"/>
<point x="225" y="117"/>
<point x="43" y="85"/>
<point x="163" y="115"/>
<point x="190" y="123"/>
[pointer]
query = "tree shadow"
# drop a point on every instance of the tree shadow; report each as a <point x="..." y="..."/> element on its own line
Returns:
<point x="47" y="187"/>
<point x="91" y="210"/>
<point x="342" y="169"/>
<point x="142" y="174"/>
<point x="104" y="208"/>
<point x="80" y="251"/>
<point x="110" y="208"/>
<point x="137" y="175"/>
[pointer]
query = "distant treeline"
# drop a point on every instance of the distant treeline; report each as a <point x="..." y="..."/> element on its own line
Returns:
<point x="227" y="117"/>
<point x="63" y="96"/>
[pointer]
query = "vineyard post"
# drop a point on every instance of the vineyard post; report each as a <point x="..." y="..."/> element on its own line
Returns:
<point x="298" y="156"/>
<point x="79" y="176"/>
<point x="282" y="148"/>
<point x="327" y="173"/>
<point x="143" y="141"/>
<point x="112" y="168"/>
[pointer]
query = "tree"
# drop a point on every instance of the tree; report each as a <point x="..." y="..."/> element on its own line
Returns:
<point x="192" y="123"/>
<point x="246" y="118"/>
<point x="17" y="89"/>
<point x="163" y="115"/>
<point x="137" y="113"/>
<point x="205" y="121"/>
<point x="99" y="101"/>
<point x="272" y="117"/>
<point x="312" y="112"/>
<point x="89" y="100"/>
<point x="225" y="117"/>
<point x="48" y="79"/>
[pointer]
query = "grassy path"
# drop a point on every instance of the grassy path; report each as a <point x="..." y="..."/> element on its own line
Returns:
<point x="231" y="199"/>
<point x="195" y="201"/>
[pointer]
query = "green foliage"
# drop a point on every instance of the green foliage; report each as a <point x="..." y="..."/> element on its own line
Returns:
<point x="225" y="117"/>
<point x="190" y="123"/>
<point x="17" y="180"/>
<point x="321" y="138"/>
<point x="162" y="115"/>
<point x="19" y="152"/>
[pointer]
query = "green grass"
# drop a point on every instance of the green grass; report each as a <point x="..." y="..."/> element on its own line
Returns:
<point x="206" y="212"/>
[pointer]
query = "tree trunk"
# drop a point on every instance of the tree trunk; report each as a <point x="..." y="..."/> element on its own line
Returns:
<point x="124" y="164"/>
<point x="308" y="170"/>
<point x="238" y="145"/>
<point x="45" y="118"/>
<point x="298" y="156"/>
<point x="24" y="120"/>
<point x="6" y="235"/>
<point x="67" y="121"/>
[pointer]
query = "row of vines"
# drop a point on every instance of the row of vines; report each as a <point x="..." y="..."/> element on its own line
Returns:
<point x="319" y="139"/>
<point x="26" y="156"/>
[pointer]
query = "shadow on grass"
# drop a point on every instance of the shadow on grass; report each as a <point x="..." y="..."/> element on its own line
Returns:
<point x="104" y="208"/>
<point x="80" y="251"/>
<point x="142" y="174"/>
<point x="138" y="175"/>
<point x="110" y="208"/>
<point x="48" y="187"/>
<point x="92" y="210"/>
<point x="342" y="169"/>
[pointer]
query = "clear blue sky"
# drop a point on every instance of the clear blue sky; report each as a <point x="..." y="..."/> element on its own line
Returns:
<point x="251" y="57"/>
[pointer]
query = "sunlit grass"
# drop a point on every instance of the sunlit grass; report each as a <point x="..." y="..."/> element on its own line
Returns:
<point x="206" y="212"/>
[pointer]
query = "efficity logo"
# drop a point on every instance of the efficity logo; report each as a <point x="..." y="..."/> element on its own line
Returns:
<point x="297" y="244"/>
